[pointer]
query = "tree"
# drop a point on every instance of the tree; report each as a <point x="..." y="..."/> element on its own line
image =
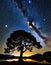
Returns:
<point x="21" y="41"/>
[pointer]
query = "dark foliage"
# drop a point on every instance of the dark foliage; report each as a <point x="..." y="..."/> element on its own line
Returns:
<point x="21" y="41"/>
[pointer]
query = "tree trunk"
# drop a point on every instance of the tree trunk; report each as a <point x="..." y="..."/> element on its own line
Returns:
<point x="21" y="54"/>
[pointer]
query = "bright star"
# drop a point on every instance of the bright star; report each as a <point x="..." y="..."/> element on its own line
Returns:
<point x="29" y="1"/>
<point x="6" y="26"/>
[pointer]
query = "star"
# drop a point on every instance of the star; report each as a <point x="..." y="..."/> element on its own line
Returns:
<point x="29" y="1"/>
<point x="6" y="26"/>
<point x="44" y="19"/>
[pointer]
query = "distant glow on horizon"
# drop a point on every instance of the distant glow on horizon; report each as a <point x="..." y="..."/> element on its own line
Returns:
<point x="27" y="53"/>
<point x="29" y="60"/>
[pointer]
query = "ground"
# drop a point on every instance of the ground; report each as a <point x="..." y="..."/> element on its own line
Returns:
<point x="21" y="63"/>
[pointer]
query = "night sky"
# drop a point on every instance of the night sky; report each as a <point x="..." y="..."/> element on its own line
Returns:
<point x="12" y="19"/>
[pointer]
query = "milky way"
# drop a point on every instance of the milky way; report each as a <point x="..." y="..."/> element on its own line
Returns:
<point x="11" y="17"/>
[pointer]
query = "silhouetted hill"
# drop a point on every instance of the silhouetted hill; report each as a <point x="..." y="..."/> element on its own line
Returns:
<point x="37" y="57"/>
<point x="47" y="56"/>
<point x="5" y="57"/>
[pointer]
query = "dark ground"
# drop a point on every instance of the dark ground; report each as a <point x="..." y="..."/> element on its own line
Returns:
<point x="21" y="63"/>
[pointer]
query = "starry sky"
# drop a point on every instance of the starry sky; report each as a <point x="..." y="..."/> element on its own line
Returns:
<point x="12" y="19"/>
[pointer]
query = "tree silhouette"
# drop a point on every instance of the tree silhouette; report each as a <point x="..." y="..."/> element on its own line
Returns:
<point x="21" y="41"/>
